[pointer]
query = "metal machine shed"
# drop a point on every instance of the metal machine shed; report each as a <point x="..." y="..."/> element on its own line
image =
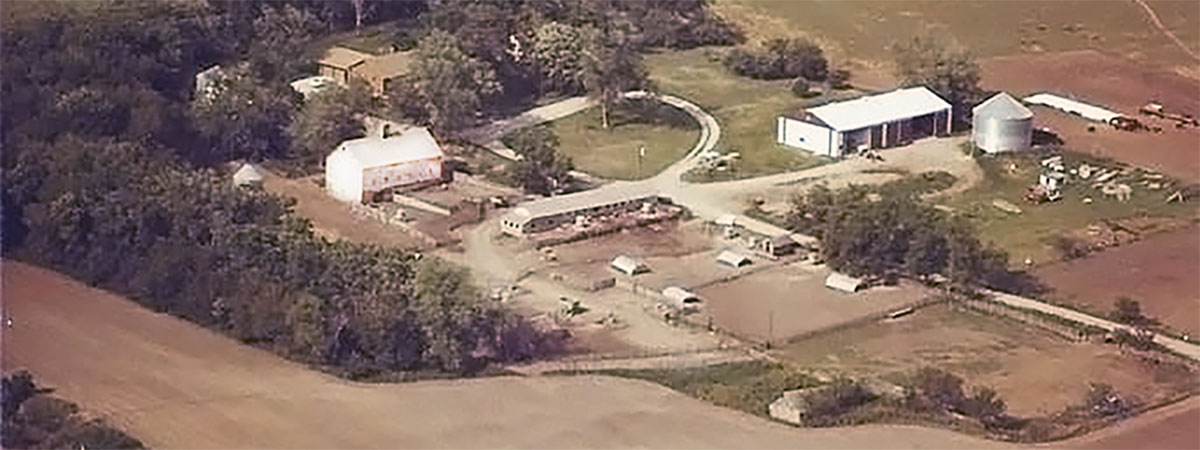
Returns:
<point x="874" y="121"/>
<point x="1090" y="112"/>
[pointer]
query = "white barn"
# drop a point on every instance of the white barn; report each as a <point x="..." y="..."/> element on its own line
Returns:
<point x="875" y="121"/>
<point x="681" y="298"/>
<point x="361" y="169"/>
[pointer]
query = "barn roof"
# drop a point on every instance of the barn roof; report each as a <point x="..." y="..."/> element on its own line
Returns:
<point x="342" y="58"/>
<point x="561" y="204"/>
<point x="1091" y="112"/>
<point x="1002" y="106"/>
<point x="387" y="66"/>
<point x="842" y="282"/>
<point x="413" y="145"/>
<point x="876" y="109"/>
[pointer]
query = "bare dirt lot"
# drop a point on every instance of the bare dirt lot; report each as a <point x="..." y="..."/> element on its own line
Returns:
<point x="1118" y="84"/>
<point x="173" y="385"/>
<point x="1034" y="372"/>
<point x="788" y="300"/>
<point x="331" y="218"/>
<point x="1160" y="272"/>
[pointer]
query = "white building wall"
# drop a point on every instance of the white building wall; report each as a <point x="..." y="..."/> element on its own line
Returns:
<point x="400" y="174"/>
<point x="807" y="136"/>
<point x="343" y="177"/>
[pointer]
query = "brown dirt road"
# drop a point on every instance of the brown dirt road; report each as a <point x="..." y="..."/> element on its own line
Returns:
<point x="175" y="385"/>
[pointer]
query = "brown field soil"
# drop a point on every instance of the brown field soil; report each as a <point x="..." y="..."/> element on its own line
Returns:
<point x="173" y="384"/>
<point x="1159" y="272"/>
<point x="1033" y="371"/>
<point x="785" y="301"/>
<point x="1172" y="427"/>
<point x="1118" y="84"/>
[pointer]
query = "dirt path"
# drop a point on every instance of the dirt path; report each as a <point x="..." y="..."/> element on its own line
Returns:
<point x="175" y="385"/>
<point x="332" y="218"/>
<point x="1184" y="348"/>
<point x="1158" y="24"/>
<point x="667" y="361"/>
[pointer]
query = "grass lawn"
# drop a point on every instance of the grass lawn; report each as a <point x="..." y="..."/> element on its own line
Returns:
<point x="613" y="153"/>
<point x="1026" y="235"/>
<point x="746" y="386"/>
<point x="866" y="28"/>
<point x="747" y="109"/>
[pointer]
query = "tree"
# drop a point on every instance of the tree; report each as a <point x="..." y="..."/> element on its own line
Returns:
<point x="558" y="51"/>
<point x="280" y="35"/>
<point x="326" y="119"/>
<point x="611" y="67"/>
<point x="984" y="404"/>
<point x="542" y="168"/>
<point x="244" y="119"/>
<point x="449" y="84"/>
<point x="942" y="389"/>
<point x="446" y="299"/>
<point x="1128" y="311"/>
<point x="949" y="71"/>
<point x="780" y="58"/>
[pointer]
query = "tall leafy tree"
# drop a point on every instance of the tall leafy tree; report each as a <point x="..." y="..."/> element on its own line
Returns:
<point x="558" y="51"/>
<point x="449" y="84"/>
<point x="326" y="119"/>
<point x="243" y="118"/>
<point x="280" y="35"/>
<point x="944" y="68"/>
<point x="612" y="65"/>
<point x="542" y="168"/>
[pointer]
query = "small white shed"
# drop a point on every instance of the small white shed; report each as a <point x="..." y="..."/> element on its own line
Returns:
<point x="727" y="220"/>
<point x="841" y="282"/>
<point x="247" y="176"/>
<point x="732" y="259"/>
<point x="628" y="265"/>
<point x="681" y="298"/>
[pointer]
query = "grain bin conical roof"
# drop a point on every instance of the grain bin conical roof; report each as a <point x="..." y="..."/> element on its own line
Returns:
<point x="1002" y="106"/>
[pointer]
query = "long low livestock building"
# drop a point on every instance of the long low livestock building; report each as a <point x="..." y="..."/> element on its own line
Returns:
<point x="550" y="213"/>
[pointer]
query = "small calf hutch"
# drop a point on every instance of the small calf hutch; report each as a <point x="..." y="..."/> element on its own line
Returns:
<point x="845" y="283"/>
<point x="876" y="121"/>
<point x="628" y="265"/>
<point x="732" y="259"/>
<point x="362" y="170"/>
<point x="681" y="299"/>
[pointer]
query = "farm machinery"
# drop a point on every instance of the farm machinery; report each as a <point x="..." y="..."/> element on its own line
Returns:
<point x="1181" y="120"/>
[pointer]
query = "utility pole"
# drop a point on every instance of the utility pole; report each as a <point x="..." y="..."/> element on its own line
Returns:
<point x="770" y="328"/>
<point x="641" y="154"/>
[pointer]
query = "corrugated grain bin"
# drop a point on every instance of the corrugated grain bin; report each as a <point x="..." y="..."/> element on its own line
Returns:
<point x="1002" y="124"/>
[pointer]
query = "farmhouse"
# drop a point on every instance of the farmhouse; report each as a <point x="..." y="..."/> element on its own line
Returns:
<point x="381" y="71"/>
<point x="1001" y="124"/>
<point x="549" y="213"/>
<point x="876" y="121"/>
<point x="362" y="169"/>
<point x="339" y="62"/>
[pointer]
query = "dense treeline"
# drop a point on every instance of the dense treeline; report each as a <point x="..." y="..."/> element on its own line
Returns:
<point x="35" y="419"/>
<point x="888" y="232"/>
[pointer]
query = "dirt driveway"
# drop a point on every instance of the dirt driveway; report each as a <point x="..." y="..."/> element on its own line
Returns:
<point x="173" y="385"/>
